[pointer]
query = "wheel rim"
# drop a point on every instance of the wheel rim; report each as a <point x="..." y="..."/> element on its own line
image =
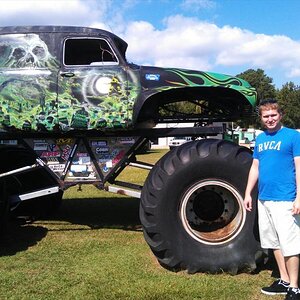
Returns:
<point x="212" y="212"/>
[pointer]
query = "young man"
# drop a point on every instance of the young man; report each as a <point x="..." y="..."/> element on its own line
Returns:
<point x="276" y="167"/>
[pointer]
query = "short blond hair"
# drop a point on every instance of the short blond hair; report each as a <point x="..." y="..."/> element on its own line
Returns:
<point x="268" y="104"/>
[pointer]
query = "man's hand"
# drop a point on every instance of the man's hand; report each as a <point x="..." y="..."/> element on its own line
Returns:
<point x="252" y="179"/>
<point x="296" y="203"/>
<point x="248" y="203"/>
<point x="296" y="207"/>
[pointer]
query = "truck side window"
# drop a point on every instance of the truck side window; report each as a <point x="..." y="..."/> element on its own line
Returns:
<point x="88" y="51"/>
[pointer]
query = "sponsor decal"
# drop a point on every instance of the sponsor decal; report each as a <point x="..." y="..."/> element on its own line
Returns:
<point x="50" y="154"/>
<point x="85" y="160"/>
<point x="53" y="147"/>
<point x="105" y="158"/>
<point x="98" y="143"/>
<point x="82" y="154"/>
<point x="126" y="140"/>
<point x="119" y="156"/>
<point x="66" y="152"/>
<point x="115" y="152"/>
<point x="78" y="168"/>
<point x="64" y="141"/>
<point x="57" y="167"/>
<point x="40" y="146"/>
<point x="100" y="150"/>
<point x="9" y="142"/>
<point x="109" y="164"/>
<point x="152" y="77"/>
<point x="52" y="160"/>
<point x="105" y="169"/>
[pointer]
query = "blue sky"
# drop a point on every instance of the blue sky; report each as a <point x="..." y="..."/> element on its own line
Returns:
<point x="260" y="16"/>
<point x="226" y="36"/>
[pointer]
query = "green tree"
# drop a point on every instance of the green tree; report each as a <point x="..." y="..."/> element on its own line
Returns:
<point x="261" y="82"/>
<point x="265" y="89"/>
<point x="289" y="99"/>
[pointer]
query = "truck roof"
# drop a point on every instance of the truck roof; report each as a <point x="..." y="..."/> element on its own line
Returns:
<point x="121" y="44"/>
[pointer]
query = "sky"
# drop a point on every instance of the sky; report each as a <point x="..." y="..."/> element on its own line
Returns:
<point x="223" y="36"/>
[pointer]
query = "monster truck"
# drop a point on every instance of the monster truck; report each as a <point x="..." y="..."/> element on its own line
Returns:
<point x="73" y="110"/>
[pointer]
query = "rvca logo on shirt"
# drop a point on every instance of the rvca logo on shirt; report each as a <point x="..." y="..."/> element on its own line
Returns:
<point x="269" y="146"/>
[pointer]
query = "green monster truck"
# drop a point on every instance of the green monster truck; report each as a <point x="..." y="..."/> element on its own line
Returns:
<point x="74" y="111"/>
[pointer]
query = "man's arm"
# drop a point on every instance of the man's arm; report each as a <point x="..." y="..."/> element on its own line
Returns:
<point x="252" y="179"/>
<point x="296" y="204"/>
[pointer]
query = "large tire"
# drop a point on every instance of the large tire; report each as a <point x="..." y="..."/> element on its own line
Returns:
<point x="192" y="212"/>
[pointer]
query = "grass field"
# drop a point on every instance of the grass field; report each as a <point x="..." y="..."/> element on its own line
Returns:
<point x="93" y="248"/>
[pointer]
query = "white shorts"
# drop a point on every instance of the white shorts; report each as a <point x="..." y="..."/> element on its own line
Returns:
<point x="278" y="228"/>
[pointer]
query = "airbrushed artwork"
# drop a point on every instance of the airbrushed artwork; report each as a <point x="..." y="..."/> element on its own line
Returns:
<point x="33" y="98"/>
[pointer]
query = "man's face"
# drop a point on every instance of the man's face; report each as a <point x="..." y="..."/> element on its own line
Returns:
<point x="271" y="119"/>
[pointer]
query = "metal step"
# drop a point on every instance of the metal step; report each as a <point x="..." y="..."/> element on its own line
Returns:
<point x="15" y="199"/>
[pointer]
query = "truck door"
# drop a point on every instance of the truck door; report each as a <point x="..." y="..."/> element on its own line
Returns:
<point x="28" y="76"/>
<point x="92" y="86"/>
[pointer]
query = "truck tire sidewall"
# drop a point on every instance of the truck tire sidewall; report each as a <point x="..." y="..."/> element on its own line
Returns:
<point x="193" y="166"/>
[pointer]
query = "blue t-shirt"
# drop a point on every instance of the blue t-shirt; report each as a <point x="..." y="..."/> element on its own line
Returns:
<point x="276" y="152"/>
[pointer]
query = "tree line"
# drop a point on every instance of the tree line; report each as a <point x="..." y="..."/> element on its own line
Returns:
<point x="288" y="97"/>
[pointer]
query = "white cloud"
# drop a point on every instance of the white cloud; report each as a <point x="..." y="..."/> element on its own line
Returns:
<point x="42" y="12"/>
<point x="197" y="5"/>
<point x="189" y="46"/>
<point x="294" y="72"/>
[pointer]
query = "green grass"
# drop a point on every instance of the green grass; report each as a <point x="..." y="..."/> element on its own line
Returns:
<point x="93" y="248"/>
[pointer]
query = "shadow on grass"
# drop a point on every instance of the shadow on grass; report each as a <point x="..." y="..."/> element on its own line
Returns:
<point x="120" y="213"/>
<point x="19" y="238"/>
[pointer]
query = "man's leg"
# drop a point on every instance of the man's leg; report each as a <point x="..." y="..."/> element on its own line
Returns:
<point x="282" y="266"/>
<point x="292" y="267"/>
<point x="279" y="286"/>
